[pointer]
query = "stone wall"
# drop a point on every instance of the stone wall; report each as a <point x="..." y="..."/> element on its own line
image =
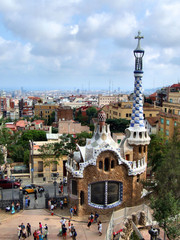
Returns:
<point x="5" y="203"/>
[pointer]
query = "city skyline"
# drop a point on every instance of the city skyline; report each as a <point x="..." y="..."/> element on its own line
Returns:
<point x="82" y="45"/>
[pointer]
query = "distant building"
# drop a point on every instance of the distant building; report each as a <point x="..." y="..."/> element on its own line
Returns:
<point x="71" y="127"/>
<point x="107" y="99"/>
<point x="152" y="125"/>
<point x="170" y="114"/>
<point x="63" y="113"/>
<point x="42" y="170"/>
<point x="44" y="110"/>
<point x="124" y="110"/>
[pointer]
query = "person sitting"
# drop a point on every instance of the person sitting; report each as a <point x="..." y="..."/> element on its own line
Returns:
<point x="8" y="209"/>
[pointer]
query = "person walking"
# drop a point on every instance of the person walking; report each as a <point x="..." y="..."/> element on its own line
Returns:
<point x="28" y="229"/>
<point x="35" y="199"/>
<point x="19" y="232"/>
<point x="74" y="234"/>
<point x="71" y="212"/>
<point x="49" y="204"/>
<point x="89" y="223"/>
<point x="12" y="208"/>
<point x="29" y="200"/>
<point x="24" y="233"/>
<point x="100" y="228"/>
<point x="18" y="206"/>
<point x="64" y="231"/>
<point x="35" y="235"/>
<point x="46" y="232"/>
<point x="96" y="215"/>
<point x="40" y="227"/>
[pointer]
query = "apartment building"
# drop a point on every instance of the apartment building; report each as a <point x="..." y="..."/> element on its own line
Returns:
<point x="45" y="110"/>
<point x="107" y="99"/>
<point x="124" y="110"/>
<point x="170" y="114"/>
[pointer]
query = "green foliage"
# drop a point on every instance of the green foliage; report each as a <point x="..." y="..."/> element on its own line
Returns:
<point x="81" y="138"/>
<point x="54" y="130"/>
<point x="35" y="135"/>
<point x="156" y="151"/>
<point x="134" y="236"/>
<point x="91" y="113"/>
<point x="166" y="166"/>
<point x="51" y="119"/>
<point x="166" y="209"/>
<point x="118" y="125"/>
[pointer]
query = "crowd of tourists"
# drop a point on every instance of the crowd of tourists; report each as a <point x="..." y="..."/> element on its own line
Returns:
<point x="39" y="234"/>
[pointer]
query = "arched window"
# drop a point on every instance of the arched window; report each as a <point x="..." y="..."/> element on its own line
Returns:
<point x="134" y="135"/>
<point x="105" y="194"/>
<point x="112" y="163"/>
<point x="106" y="164"/>
<point x="100" y="164"/>
<point x="140" y="134"/>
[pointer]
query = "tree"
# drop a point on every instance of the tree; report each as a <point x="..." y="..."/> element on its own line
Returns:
<point x="166" y="210"/>
<point x="91" y="113"/>
<point x="51" y="119"/>
<point x="156" y="151"/>
<point x="81" y="138"/>
<point x="118" y="125"/>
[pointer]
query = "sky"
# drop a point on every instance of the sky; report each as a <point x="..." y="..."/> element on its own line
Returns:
<point x="71" y="44"/>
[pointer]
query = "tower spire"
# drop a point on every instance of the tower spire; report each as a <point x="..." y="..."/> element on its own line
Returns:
<point x="138" y="134"/>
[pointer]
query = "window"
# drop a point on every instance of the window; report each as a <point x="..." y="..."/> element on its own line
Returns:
<point x="170" y="100"/>
<point x="167" y="122"/>
<point x="127" y="157"/>
<point x="162" y="130"/>
<point x="112" y="164"/>
<point x="74" y="187"/>
<point x="126" y="114"/>
<point x="138" y="178"/>
<point x="165" y="110"/>
<point x="54" y="166"/>
<point x="106" y="164"/>
<point x="167" y="133"/>
<point x="150" y="115"/>
<point x="119" y="140"/>
<point x="140" y="134"/>
<point x="162" y="120"/>
<point x="105" y="194"/>
<point x="81" y="197"/>
<point x="100" y="164"/>
<point x="175" y="123"/>
<point x="144" y="148"/>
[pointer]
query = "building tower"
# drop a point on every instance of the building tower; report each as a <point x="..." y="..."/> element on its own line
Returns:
<point x="103" y="175"/>
<point x="136" y="133"/>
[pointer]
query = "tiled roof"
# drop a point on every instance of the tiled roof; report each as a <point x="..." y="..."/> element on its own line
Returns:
<point x="152" y="120"/>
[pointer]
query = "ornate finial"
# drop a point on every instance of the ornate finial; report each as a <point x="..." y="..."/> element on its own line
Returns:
<point x="139" y="38"/>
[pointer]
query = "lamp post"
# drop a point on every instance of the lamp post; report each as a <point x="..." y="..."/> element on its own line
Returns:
<point x="12" y="180"/>
<point x="31" y="144"/>
<point x="54" y="177"/>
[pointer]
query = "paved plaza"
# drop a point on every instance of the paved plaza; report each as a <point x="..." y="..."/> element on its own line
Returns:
<point x="9" y="223"/>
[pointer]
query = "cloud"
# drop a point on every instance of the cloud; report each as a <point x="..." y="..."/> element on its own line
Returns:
<point x="63" y="39"/>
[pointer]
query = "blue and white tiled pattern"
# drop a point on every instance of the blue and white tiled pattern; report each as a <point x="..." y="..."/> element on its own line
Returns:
<point x="137" y="118"/>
